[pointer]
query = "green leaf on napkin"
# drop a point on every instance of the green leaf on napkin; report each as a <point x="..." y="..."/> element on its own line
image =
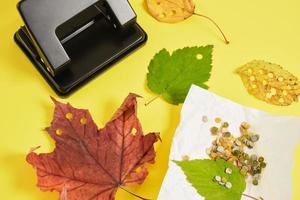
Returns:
<point x="171" y="76"/>
<point x="201" y="174"/>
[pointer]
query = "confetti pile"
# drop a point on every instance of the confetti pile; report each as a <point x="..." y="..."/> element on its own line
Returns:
<point x="233" y="149"/>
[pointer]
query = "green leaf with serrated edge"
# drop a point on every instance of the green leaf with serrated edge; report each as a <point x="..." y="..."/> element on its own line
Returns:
<point x="201" y="173"/>
<point x="171" y="76"/>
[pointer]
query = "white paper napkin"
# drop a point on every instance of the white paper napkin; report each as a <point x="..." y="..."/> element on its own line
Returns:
<point x="279" y="137"/>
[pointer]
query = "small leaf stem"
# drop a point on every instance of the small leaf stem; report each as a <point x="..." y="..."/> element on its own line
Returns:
<point x="137" y="196"/>
<point x="153" y="99"/>
<point x="251" y="197"/>
<point x="211" y="20"/>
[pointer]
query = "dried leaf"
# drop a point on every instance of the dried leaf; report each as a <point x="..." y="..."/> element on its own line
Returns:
<point x="88" y="163"/>
<point x="270" y="82"/>
<point x="171" y="11"/>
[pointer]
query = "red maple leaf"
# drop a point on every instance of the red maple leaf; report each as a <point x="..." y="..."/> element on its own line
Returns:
<point x="91" y="164"/>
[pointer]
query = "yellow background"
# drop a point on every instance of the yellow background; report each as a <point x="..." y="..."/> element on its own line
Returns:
<point x="261" y="29"/>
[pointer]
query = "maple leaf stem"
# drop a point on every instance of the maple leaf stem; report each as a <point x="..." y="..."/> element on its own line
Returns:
<point x="251" y="197"/>
<point x="153" y="99"/>
<point x="133" y="193"/>
<point x="211" y="20"/>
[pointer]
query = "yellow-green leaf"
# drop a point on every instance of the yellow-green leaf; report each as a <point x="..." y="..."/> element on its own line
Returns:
<point x="201" y="174"/>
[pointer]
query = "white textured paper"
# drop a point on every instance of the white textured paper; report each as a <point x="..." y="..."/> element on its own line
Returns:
<point x="279" y="137"/>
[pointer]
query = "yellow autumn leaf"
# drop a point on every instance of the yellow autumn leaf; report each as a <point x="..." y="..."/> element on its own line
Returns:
<point x="270" y="82"/>
<point x="170" y="11"/>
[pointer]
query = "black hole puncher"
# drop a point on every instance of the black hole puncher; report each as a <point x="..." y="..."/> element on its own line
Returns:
<point x="71" y="41"/>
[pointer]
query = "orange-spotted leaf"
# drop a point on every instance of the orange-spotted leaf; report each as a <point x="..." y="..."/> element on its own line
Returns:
<point x="171" y="11"/>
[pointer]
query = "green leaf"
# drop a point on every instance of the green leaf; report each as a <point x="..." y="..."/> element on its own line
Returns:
<point x="201" y="173"/>
<point x="171" y="76"/>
